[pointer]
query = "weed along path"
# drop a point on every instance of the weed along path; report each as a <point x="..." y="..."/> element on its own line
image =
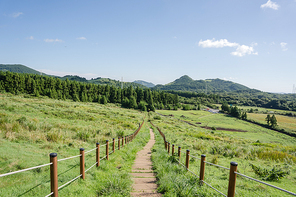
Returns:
<point x="144" y="179"/>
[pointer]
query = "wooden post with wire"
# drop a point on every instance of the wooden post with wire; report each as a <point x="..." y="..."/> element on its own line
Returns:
<point x="107" y="149"/>
<point x="82" y="167"/>
<point x="202" y="169"/>
<point x="232" y="179"/>
<point x="179" y="153"/>
<point x="98" y="154"/>
<point x="187" y="159"/>
<point x="123" y="142"/>
<point x="166" y="145"/>
<point x="119" y="142"/>
<point x="113" y="145"/>
<point x="173" y="149"/>
<point x="169" y="146"/>
<point x="54" y="174"/>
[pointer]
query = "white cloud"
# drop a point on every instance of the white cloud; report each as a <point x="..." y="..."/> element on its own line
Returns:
<point x="30" y="38"/>
<point x="216" y="43"/>
<point x="81" y="38"/>
<point x="241" y="50"/>
<point x="284" y="46"/>
<point x="270" y="4"/>
<point x="16" y="14"/>
<point x="52" y="40"/>
<point x="175" y="37"/>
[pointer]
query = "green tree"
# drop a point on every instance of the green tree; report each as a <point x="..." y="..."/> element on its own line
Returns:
<point x="104" y="100"/>
<point x="273" y="121"/>
<point x="268" y="119"/>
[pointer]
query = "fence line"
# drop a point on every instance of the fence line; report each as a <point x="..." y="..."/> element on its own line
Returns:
<point x="232" y="170"/>
<point x="266" y="184"/>
<point x="23" y="170"/>
<point x="69" y="158"/>
<point x="53" y="161"/>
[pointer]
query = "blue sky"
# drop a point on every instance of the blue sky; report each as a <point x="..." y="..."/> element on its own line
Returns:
<point x="252" y="42"/>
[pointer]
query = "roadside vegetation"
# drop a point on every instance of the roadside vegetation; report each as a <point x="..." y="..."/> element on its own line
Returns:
<point x="261" y="153"/>
<point x="31" y="128"/>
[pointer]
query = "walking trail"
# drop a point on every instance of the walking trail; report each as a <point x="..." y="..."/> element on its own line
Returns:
<point x="143" y="176"/>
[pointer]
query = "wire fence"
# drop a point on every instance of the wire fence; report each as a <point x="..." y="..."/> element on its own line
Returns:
<point x="232" y="170"/>
<point x="54" y="161"/>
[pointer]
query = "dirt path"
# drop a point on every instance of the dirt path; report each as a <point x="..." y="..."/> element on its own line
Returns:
<point x="144" y="179"/>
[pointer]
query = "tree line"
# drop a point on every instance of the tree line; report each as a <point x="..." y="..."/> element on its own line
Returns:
<point x="129" y="97"/>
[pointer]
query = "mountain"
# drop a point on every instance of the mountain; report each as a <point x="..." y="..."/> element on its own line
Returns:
<point x="116" y="83"/>
<point x="144" y="83"/>
<point x="185" y="83"/>
<point x="18" y="68"/>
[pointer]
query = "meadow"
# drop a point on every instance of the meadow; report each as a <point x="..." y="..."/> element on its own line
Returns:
<point x="31" y="128"/>
<point x="267" y="149"/>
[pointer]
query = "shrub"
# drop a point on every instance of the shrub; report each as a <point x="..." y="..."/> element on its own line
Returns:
<point x="275" y="174"/>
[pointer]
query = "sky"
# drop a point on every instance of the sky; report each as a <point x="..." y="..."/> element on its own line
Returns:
<point x="251" y="42"/>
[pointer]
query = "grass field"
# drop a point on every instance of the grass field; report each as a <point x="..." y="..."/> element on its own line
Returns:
<point x="31" y="128"/>
<point x="258" y="146"/>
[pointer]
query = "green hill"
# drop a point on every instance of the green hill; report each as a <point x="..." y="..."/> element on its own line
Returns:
<point x="144" y="83"/>
<point x="116" y="83"/>
<point x="185" y="83"/>
<point x="18" y="68"/>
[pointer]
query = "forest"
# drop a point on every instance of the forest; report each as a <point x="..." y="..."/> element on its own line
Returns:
<point x="129" y="97"/>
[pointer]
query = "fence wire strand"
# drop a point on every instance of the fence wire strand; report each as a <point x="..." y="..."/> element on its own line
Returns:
<point x="69" y="182"/>
<point x="216" y="165"/>
<point x="23" y="170"/>
<point x="214" y="188"/>
<point x="49" y="194"/>
<point x="90" y="150"/>
<point x="194" y="157"/>
<point x="266" y="184"/>
<point x="103" y="157"/>
<point x="69" y="158"/>
<point x="91" y="167"/>
<point x="193" y="173"/>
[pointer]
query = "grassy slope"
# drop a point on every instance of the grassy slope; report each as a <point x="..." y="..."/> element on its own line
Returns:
<point x="222" y="147"/>
<point x="31" y="128"/>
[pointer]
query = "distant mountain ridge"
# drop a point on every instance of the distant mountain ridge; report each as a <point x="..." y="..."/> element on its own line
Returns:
<point x="144" y="83"/>
<point x="185" y="83"/>
<point x="18" y="68"/>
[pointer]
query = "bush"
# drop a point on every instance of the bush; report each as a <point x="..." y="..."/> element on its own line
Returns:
<point x="157" y="118"/>
<point x="275" y="174"/>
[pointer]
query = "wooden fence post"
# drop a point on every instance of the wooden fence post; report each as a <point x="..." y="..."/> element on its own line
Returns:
<point x="98" y="154"/>
<point x="164" y="142"/>
<point x="169" y="146"/>
<point x="119" y="142"/>
<point x="232" y="179"/>
<point x="202" y="169"/>
<point x="54" y="174"/>
<point x="166" y="145"/>
<point x="124" y="139"/>
<point x="82" y="167"/>
<point x="107" y="149"/>
<point x="173" y="149"/>
<point x="113" y="145"/>
<point x="179" y="153"/>
<point x="187" y="158"/>
<point x="123" y="142"/>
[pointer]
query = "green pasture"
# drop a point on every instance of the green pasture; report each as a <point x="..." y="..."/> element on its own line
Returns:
<point x="31" y="128"/>
<point x="253" y="132"/>
<point x="259" y="146"/>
